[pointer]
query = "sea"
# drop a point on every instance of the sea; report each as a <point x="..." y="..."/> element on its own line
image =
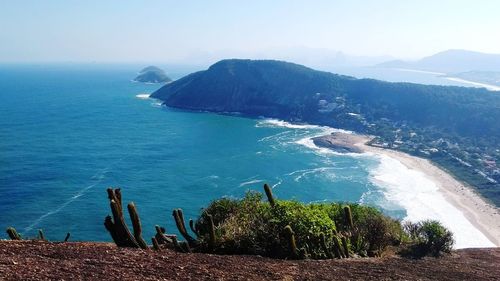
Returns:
<point x="70" y="131"/>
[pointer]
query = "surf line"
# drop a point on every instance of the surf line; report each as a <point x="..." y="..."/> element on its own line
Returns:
<point x="99" y="175"/>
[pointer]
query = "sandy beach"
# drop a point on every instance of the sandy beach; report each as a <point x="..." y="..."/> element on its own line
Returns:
<point x="481" y="214"/>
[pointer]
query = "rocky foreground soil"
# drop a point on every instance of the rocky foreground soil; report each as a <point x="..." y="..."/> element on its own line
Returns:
<point x="36" y="260"/>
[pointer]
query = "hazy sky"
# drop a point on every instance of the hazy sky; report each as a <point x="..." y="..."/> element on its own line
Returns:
<point x="177" y="31"/>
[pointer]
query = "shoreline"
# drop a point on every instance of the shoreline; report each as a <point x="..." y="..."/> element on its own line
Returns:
<point x="489" y="87"/>
<point x="482" y="215"/>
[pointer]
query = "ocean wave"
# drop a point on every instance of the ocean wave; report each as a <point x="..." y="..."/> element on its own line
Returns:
<point x="302" y="134"/>
<point x="62" y="206"/>
<point x="156" y="104"/>
<point x="303" y="173"/>
<point x="97" y="178"/>
<point x="413" y="191"/>
<point x="284" y="124"/>
<point x="280" y="181"/>
<point x="323" y="151"/>
<point x="397" y="187"/>
<point x="249" y="182"/>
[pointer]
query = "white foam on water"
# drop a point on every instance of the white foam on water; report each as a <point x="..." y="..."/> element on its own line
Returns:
<point x="97" y="178"/>
<point x="58" y="209"/>
<point x="298" y="175"/>
<point x="402" y="187"/>
<point x="284" y="124"/>
<point x="422" y="200"/>
<point x="249" y="182"/>
<point x="156" y="104"/>
<point x="280" y="181"/>
<point x="142" y="96"/>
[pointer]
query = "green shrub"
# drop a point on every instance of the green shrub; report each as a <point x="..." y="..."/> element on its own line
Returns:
<point x="251" y="226"/>
<point x="241" y="225"/>
<point x="376" y="232"/>
<point x="430" y="238"/>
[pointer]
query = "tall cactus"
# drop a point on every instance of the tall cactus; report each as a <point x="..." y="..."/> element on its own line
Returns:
<point x="325" y="247"/>
<point x="40" y="235"/>
<point x="156" y="246"/>
<point x="67" y="237"/>
<point x="110" y="227"/>
<point x="291" y="241"/>
<point x="118" y="197"/>
<point x="181" y="226"/>
<point x="13" y="235"/>
<point x="192" y="225"/>
<point x="116" y="226"/>
<point x="345" y="246"/>
<point x="136" y="223"/>
<point x="336" y="247"/>
<point x="211" y="232"/>
<point x="348" y="217"/>
<point x="269" y="194"/>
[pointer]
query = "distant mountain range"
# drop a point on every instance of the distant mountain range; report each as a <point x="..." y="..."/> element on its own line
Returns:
<point x="451" y="61"/>
<point x="467" y="65"/>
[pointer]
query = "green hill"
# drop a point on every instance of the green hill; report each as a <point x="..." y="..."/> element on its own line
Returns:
<point x="457" y="127"/>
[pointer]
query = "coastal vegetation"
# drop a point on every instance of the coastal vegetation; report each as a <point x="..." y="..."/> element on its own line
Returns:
<point x="285" y="229"/>
<point x="455" y="127"/>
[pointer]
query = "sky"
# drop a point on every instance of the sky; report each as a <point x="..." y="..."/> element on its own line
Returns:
<point x="195" y="31"/>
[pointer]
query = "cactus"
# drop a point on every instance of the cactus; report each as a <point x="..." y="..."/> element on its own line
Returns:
<point x="345" y="246"/>
<point x="169" y="240"/>
<point x="116" y="226"/>
<point x="338" y="242"/>
<point x="110" y="227"/>
<point x="40" y="235"/>
<point x="185" y="247"/>
<point x="179" y="222"/>
<point x="291" y="241"/>
<point x="303" y="254"/>
<point x="193" y="228"/>
<point x="348" y="217"/>
<point x="67" y="237"/>
<point x="160" y="235"/>
<point x="325" y="247"/>
<point x="211" y="232"/>
<point x="337" y="248"/>
<point x="118" y="196"/>
<point x="13" y="235"/>
<point x="177" y="245"/>
<point x="156" y="246"/>
<point x="269" y="194"/>
<point x="136" y="223"/>
<point x="121" y="227"/>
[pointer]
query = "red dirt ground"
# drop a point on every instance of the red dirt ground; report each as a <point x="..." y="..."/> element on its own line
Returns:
<point x="37" y="260"/>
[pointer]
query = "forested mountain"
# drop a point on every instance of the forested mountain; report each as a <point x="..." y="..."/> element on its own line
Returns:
<point x="456" y="126"/>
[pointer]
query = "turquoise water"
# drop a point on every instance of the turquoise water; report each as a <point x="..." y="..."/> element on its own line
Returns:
<point x="69" y="132"/>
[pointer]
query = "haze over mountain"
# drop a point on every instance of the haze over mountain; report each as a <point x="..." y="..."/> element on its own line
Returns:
<point x="451" y="61"/>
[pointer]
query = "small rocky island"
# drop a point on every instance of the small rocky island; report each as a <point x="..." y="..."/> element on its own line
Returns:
<point x="152" y="74"/>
